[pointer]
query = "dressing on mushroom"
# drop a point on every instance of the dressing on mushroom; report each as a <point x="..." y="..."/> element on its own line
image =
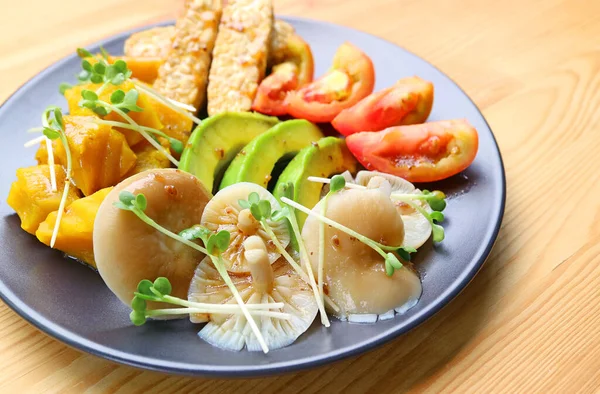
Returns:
<point x="127" y="250"/>
<point x="266" y="284"/>
<point x="224" y="212"/>
<point x="354" y="273"/>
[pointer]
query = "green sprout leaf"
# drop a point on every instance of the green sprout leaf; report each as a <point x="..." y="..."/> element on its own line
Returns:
<point x="437" y="204"/>
<point x="130" y="101"/>
<point x="89" y="95"/>
<point x="196" y="232"/>
<point x="253" y="198"/>
<point x="86" y="65"/>
<point x="51" y="133"/>
<point x="120" y="65"/>
<point x="101" y="111"/>
<point x="95" y="78"/>
<point x="338" y="182"/>
<point x="83" y="53"/>
<point x="104" y="53"/>
<point x="144" y="287"/>
<point x="393" y="261"/>
<point x="264" y="207"/>
<point x="117" y="97"/>
<point x="140" y="202"/>
<point x="404" y="254"/>
<point x="138" y="304"/>
<point x="389" y="270"/>
<point x="438" y="233"/>
<point x="255" y="210"/>
<point x="176" y="145"/>
<point x="122" y="206"/>
<point x="84" y="76"/>
<point x="222" y="239"/>
<point x="117" y="79"/>
<point x="63" y="87"/>
<point x="162" y="284"/>
<point x="437" y="216"/>
<point x="99" y="68"/>
<point x="137" y="318"/>
<point x="126" y="197"/>
<point x="244" y="204"/>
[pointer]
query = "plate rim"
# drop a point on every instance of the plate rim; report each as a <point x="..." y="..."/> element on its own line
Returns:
<point x="84" y="345"/>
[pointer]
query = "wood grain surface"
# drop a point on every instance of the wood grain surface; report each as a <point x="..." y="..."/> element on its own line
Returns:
<point x="530" y="321"/>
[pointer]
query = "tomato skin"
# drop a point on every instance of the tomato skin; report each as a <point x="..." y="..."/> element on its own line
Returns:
<point x="272" y="91"/>
<point x="418" y="153"/>
<point x="409" y="101"/>
<point x="349" y="60"/>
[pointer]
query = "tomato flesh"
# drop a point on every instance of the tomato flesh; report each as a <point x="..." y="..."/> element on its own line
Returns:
<point x="272" y="91"/>
<point x="350" y="79"/>
<point x="418" y="153"/>
<point x="409" y="101"/>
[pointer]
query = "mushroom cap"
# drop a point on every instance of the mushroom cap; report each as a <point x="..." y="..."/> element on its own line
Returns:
<point x="128" y="250"/>
<point x="232" y="332"/>
<point x="222" y="213"/>
<point x="417" y="229"/>
<point x="352" y="270"/>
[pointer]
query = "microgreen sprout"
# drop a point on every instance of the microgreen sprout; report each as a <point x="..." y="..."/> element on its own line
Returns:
<point x="214" y="244"/>
<point x="53" y="129"/>
<point x="261" y="210"/>
<point x="102" y="71"/>
<point x="160" y="291"/>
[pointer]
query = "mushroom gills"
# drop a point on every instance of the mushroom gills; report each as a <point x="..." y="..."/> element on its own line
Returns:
<point x="232" y="332"/>
<point x="353" y="269"/>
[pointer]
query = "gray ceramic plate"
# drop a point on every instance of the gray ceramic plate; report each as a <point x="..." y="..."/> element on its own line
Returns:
<point x="70" y="302"/>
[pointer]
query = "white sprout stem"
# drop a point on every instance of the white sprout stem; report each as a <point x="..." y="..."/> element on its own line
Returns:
<point x="50" y="151"/>
<point x="151" y="140"/>
<point x="369" y="242"/>
<point x="192" y="304"/>
<point x="416" y="207"/>
<point x="101" y="88"/>
<point x="307" y="278"/>
<point x="214" y="311"/>
<point x="306" y="260"/>
<point x="63" y="200"/>
<point x="176" y="106"/>
<point x="348" y="185"/>
<point x="35" y="130"/>
<point x="321" y="261"/>
<point x="34" y="141"/>
<point x="241" y="303"/>
<point x="127" y="126"/>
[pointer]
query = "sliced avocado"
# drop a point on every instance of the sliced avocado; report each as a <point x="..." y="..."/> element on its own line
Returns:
<point x="327" y="157"/>
<point x="217" y="140"/>
<point x="256" y="161"/>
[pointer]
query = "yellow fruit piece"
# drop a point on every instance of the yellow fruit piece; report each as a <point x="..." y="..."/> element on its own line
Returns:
<point x="175" y="124"/>
<point x="149" y="157"/>
<point x="148" y="117"/>
<point x="143" y="68"/>
<point x="76" y="227"/>
<point x="100" y="155"/>
<point x="31" y="195"/>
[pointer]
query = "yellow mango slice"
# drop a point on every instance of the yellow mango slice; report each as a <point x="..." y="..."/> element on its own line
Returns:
<point x="175" y="124"/>
<point x="148" y="117"/>
<point x="76" y="227"/>
<point x="31" y="195"/>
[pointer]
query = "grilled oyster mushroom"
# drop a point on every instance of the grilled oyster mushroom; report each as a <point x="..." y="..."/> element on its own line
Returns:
<point x="267" y="283"/>
<point x="352" y="269"/>
<point x="417" y="229"/>
<point x="128" y="250"/>
<point x="224" y="212"/>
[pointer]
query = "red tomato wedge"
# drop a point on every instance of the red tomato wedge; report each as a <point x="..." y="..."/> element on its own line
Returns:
<point x="418" y="153"/>
<point x="409" y="101"/>
<point x="350" y="79"/>
<point x="295" y="70"/>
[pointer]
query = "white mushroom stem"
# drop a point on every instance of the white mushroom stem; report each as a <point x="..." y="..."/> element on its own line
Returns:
<point x="247" y="224"/>
<point x="216" y="311"/>
<point x="380" y="184"/>
<point x="260" y="268"/>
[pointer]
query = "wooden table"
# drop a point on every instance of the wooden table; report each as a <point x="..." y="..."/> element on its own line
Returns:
<point x="530" y="320"/>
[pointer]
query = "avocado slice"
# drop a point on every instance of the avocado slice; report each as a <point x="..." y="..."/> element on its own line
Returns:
<point x="217" y="140"/>
<point x="256" y="161"/>
<point x="329" y="156"/>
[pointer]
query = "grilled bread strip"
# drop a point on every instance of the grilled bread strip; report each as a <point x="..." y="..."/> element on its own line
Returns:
<point x="240" y="55"/>
<point x="155" y="42"/>
<point x="184" y="74"/>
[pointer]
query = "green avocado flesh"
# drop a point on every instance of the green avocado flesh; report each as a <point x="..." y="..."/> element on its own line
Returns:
<point x="217" y="140"/>
<point x="329" y="156"/>
<point x="256" y="161"/>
